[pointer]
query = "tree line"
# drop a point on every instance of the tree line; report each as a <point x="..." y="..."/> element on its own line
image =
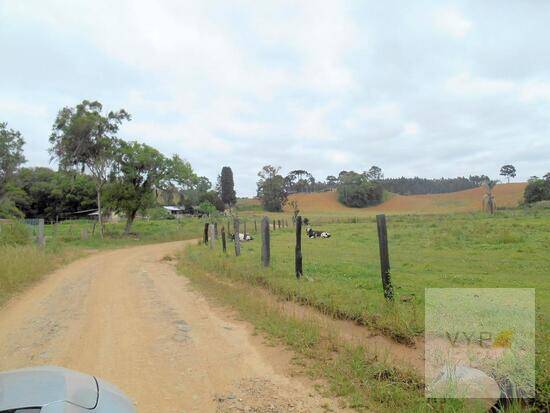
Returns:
<point x="354" y="189"/>
<point x="419" y="186"/>
<point x="98" y="170"/>
<point x="358" y="189"/>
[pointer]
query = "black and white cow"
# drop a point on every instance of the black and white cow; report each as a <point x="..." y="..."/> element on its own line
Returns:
<point x="317" y="234"/>
<point x="242" y="237"/>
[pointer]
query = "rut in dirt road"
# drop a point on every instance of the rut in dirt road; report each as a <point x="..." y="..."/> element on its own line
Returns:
<point x="125" y="315"/>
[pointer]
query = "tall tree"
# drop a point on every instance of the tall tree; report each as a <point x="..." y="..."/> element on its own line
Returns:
<point x="271" y="188"/>
<point x="138" y="170"/>
<point x="84" y="137"/>
<point x="11" y="157"/>
<point x="509" y="171"/>
<point x="375" y="173"/>
<point x="332" y="181"/>
<point x="299" y="180"/>
<point x="227" y="187"/>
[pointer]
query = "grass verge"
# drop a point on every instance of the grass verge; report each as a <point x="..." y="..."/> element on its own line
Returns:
<point x="23" y="265"/>
<point x="360" y="380"/>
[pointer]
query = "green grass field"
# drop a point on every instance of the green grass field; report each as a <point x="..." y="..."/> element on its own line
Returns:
<point x="342" y="274"/>
<point x="143" y="231"/>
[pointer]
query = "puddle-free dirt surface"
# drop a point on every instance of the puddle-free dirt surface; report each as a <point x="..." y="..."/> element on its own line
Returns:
<point x="125" y="316"/>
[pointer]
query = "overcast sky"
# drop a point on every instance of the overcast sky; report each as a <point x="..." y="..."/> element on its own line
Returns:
<point x="427" y="88"/>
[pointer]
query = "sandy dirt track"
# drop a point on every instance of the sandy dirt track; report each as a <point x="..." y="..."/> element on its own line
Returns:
<point x="125" y="316"/>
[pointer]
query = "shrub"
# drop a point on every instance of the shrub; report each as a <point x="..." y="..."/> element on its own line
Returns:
<point x="537" y="189"/>
<point x="14" y="234"/>
<point x="159" y="213"/>
<point x="356" y="190"/>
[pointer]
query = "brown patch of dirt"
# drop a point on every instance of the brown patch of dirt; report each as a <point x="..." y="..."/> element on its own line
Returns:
<point x="506" y="195"/>
<point x="126" y="316"/>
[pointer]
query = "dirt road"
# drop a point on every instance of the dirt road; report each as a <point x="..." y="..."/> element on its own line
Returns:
<point x="125" y="315"/>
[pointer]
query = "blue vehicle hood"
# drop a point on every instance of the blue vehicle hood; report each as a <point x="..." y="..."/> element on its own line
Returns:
<point x="40" y="386"/>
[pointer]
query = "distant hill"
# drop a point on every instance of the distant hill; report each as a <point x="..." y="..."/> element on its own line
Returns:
<point x="506" y="195"/>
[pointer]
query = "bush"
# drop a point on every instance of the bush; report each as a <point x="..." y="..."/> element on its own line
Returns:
<point x="537" y="190"/>
<point x="159" y="213"/>
<point x="8" y="209"/>
<point x="356" y="190"/>
<point x="14" y="234"/>
<point x="540" y="205"/>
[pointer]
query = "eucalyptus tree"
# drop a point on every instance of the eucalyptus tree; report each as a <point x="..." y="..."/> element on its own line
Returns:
<point x="11" y="157"/>
<point x="272" y="188"/>
<point x="84" y="137"/>
<point x="138" y="173"/>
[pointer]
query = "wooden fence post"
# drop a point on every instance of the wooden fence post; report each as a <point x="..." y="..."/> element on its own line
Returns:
<point x="255" y="227"/>
<point x="244" y="228"/>
<point x="215" y="230"/>
<point x="279" y="224"/>
<point x="384" y="256"/>
<point x="224" y="244"/>
<point x="41" y="239"/>
<point x="273" y="225"/>
<point x="237" y="238"/>
<point x="211" y="235"/>
<point x="266" y="251"/>
<point x="298" y="251"/>
<point x="205" y="235"/>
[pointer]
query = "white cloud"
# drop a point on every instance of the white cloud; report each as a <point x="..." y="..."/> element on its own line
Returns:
<point x="468" y="84"/>
<point x="379" y="113"/>
<point x="527" y="91"/>
<point x="313" y="124"/>
<point x="410" y="128"/>
<point x="452" y="22"/>
<point x="18" y="107"/>
<point x="535" y="91"/>
<point x="340" y="158"/>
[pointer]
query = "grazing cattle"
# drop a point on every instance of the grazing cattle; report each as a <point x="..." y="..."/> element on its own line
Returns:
<point x="242" y="237"/>
<point x="317" y="234"/>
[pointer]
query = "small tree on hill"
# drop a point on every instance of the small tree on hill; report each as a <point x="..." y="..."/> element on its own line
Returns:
<point x="375" y="173"/>
<point x="271" y="188"/>
<point x="509" y="171"/>
<point x="332" y="181"/>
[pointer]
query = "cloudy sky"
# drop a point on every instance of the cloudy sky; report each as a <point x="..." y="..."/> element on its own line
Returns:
<point x="427" y="88"/>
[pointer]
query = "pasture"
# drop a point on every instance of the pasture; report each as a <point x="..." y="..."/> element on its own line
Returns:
<point x="342" y="274"/>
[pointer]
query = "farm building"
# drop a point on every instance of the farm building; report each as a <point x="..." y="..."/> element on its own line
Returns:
<point x="174" y="209"/>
